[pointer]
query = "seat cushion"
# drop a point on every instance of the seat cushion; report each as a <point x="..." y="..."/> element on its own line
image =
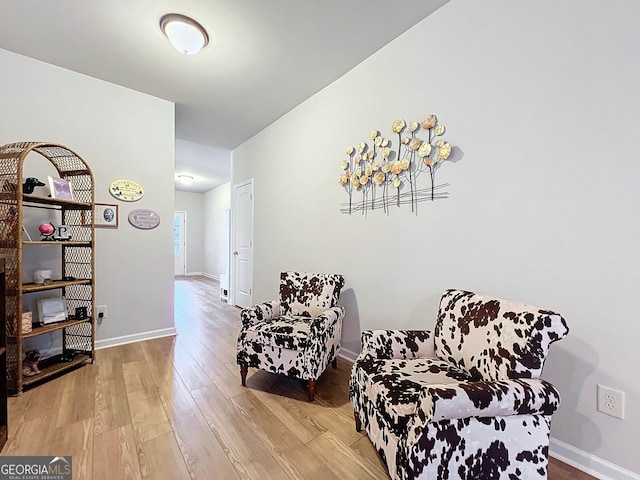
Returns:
<point x="290" y="332"/>
<point x="393" y="385"/>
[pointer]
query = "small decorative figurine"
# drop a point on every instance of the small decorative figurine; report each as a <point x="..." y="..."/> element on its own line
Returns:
<point x="30" y="184"/>
<point x="51" y="232"/>
<point x="30" y="363"/>
<point x="46" y="230"/>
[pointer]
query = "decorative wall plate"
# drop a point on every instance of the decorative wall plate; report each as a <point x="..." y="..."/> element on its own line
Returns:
<point x="126" y="190"/>
<point x="144" y="219"/>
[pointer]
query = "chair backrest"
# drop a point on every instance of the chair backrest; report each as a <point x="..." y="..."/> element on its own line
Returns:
<point x="493" y="338"/>
<point x="309" y="294"/>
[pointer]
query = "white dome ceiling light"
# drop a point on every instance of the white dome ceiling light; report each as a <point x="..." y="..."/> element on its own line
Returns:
<point x="184" y="33"/>
<point x="185" y="179"/>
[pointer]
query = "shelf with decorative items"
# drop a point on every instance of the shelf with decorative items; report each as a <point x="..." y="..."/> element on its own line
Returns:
<point x="54" y="365"/>
<point x="57" y="202"/>
<point x="52" y="327"/>
<point x="37" y="287"/>
<point x="66" y="250"/>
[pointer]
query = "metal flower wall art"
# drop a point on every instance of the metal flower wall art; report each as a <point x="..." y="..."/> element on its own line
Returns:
<point x="378" y="174"/>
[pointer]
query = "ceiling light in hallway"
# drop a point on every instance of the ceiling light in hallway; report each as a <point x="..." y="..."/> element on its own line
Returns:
<point x="186" y="179"/>
<point x="184" y="33"/>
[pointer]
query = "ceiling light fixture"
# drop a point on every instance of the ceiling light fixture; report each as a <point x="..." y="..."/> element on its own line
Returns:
<point x="186" y="179"/>
<point x="184" y="33"/>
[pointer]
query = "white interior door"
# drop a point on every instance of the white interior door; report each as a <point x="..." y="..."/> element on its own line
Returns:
<point x="180" y="242"/>
<point x="242" y="244"/>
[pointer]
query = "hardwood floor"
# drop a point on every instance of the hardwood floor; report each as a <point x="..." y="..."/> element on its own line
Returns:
<point x="173" y="408"/>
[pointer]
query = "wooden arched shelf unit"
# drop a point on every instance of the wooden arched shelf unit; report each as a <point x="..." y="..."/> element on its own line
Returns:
<point x="76" y="283"/>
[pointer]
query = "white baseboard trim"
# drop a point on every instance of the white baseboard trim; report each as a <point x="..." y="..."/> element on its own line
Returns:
<point x="210" y="275"/>
<point x="202" y="274"/>
<point x="348" y="354"/>
<point x="588" y="463"/>
<point x="136" y="337"/>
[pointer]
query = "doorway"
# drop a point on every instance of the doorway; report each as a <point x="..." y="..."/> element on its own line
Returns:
<point x="242" y="245"/>
<point x="180" y="242"/>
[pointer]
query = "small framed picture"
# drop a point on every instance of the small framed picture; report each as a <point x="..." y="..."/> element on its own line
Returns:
<point x="51" y="310"/>
<point x="105" y="215"/>
<point x="60" y="188"/>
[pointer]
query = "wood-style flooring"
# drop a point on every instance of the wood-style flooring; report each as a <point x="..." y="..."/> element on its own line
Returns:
<point x="173" y="408"/>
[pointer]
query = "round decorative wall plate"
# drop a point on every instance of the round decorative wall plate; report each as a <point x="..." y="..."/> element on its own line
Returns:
<point x="144" y="219"/>
<point x="126" y="190"/>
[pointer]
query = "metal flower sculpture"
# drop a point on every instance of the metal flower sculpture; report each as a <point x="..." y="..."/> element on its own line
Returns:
<point x="381" y="174"/>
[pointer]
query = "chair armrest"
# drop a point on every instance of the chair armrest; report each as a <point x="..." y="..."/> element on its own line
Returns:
<point x="263" y="312"/>
<point x="487" y="399"/>
<point x="327" y="318"/>
<point x="401" y="344"/>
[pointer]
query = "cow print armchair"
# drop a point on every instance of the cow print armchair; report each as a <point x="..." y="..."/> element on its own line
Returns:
<point x="465" y="401"/>
<point x="297" y="335"/>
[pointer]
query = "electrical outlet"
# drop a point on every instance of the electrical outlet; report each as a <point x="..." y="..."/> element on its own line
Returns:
<point x="611" y="402"/>
<point x="101" y="309"/>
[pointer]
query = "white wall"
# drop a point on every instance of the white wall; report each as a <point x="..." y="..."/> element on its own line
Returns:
<point x="541" y="99"/>
<point x="121" y="134"/>
<point x="193" y="204"/>
<point x="216" y="230"/>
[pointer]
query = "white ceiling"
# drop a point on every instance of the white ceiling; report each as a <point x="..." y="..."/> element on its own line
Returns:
<point x="264" y="58"/>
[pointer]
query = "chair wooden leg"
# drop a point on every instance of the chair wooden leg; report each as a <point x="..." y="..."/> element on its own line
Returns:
<point x="243" y="374"/>
<point x="312" y="389"/>
<point x="358" y="422"/>
<point x="334" y="364"/>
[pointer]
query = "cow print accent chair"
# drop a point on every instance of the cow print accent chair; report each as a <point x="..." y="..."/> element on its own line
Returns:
<point x="298" y="335"/>
<point x="464" y="401"/>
